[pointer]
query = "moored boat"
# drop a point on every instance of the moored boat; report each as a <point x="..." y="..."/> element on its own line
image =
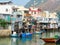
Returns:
<point x="49" y="39"/>
<point x="14" y="34"/>
<point x="26" y="34"/>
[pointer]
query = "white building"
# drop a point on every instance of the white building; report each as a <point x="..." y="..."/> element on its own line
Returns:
<point x="5" y="10"/>
<point x="18" y="14"/>
<point x="44" y="16"/>
<point x="11" y="13"/>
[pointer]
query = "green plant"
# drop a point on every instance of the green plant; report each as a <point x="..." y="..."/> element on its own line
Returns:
<point x="3" y="23"/>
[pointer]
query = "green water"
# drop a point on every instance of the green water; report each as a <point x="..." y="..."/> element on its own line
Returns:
<point x="21" y="41"/>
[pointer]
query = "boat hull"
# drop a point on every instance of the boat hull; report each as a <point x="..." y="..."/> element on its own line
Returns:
<point x="23" y="35"/>
<point x="14" y="36"/>
<point x="49" y="40"/>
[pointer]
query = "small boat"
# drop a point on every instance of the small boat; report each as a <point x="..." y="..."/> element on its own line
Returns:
<point x="37" y="33"/>
<point x="23" y="35"/>
<point x="26" y="34"/>
<point x="49" y="40"/>
<point x="58" y="41"/>
<point x="14" y="34"/>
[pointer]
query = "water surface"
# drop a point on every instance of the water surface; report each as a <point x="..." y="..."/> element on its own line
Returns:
<point x="22" y="41"/>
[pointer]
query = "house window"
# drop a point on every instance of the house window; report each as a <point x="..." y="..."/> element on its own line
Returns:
<point x="6" y="10"/>
<point x="50" y="19"/>
<point x="45" y="19"/>
<point x="11" y="15"/>
<point x="26" y="11"/>
<point x="34" y="12"/>
<point x="18" y="16"/>
<point x="14" y="10"/>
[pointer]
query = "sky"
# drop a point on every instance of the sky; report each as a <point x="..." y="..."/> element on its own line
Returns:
<point x="17" y="2"/>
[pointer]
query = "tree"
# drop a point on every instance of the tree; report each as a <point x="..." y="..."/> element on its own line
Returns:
<point x="3" y="23"/>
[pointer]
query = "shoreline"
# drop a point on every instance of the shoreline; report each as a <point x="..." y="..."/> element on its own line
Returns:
<point x="5" y="33"/>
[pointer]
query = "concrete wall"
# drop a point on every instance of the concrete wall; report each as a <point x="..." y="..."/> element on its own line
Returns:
<point x="5" y="32"/>
<point x="3" y="9"/>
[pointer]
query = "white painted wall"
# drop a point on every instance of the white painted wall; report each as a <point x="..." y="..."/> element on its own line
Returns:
<point x="3" y="9"/>
<point x="21" y="11"/>
<point x="47" y="14"/>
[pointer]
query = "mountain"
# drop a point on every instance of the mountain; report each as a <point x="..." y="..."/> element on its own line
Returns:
<point x="49" y="5"/>
<point x="31" y="3"/>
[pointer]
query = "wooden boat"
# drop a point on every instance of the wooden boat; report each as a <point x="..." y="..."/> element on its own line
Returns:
<point x="53" y="39"/>
<point x="49" y="40"/>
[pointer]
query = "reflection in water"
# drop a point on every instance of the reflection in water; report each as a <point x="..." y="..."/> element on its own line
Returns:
<point x="14" y="41"/>
<point x="5" y="41"/>
<point x="22" y="41"/>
